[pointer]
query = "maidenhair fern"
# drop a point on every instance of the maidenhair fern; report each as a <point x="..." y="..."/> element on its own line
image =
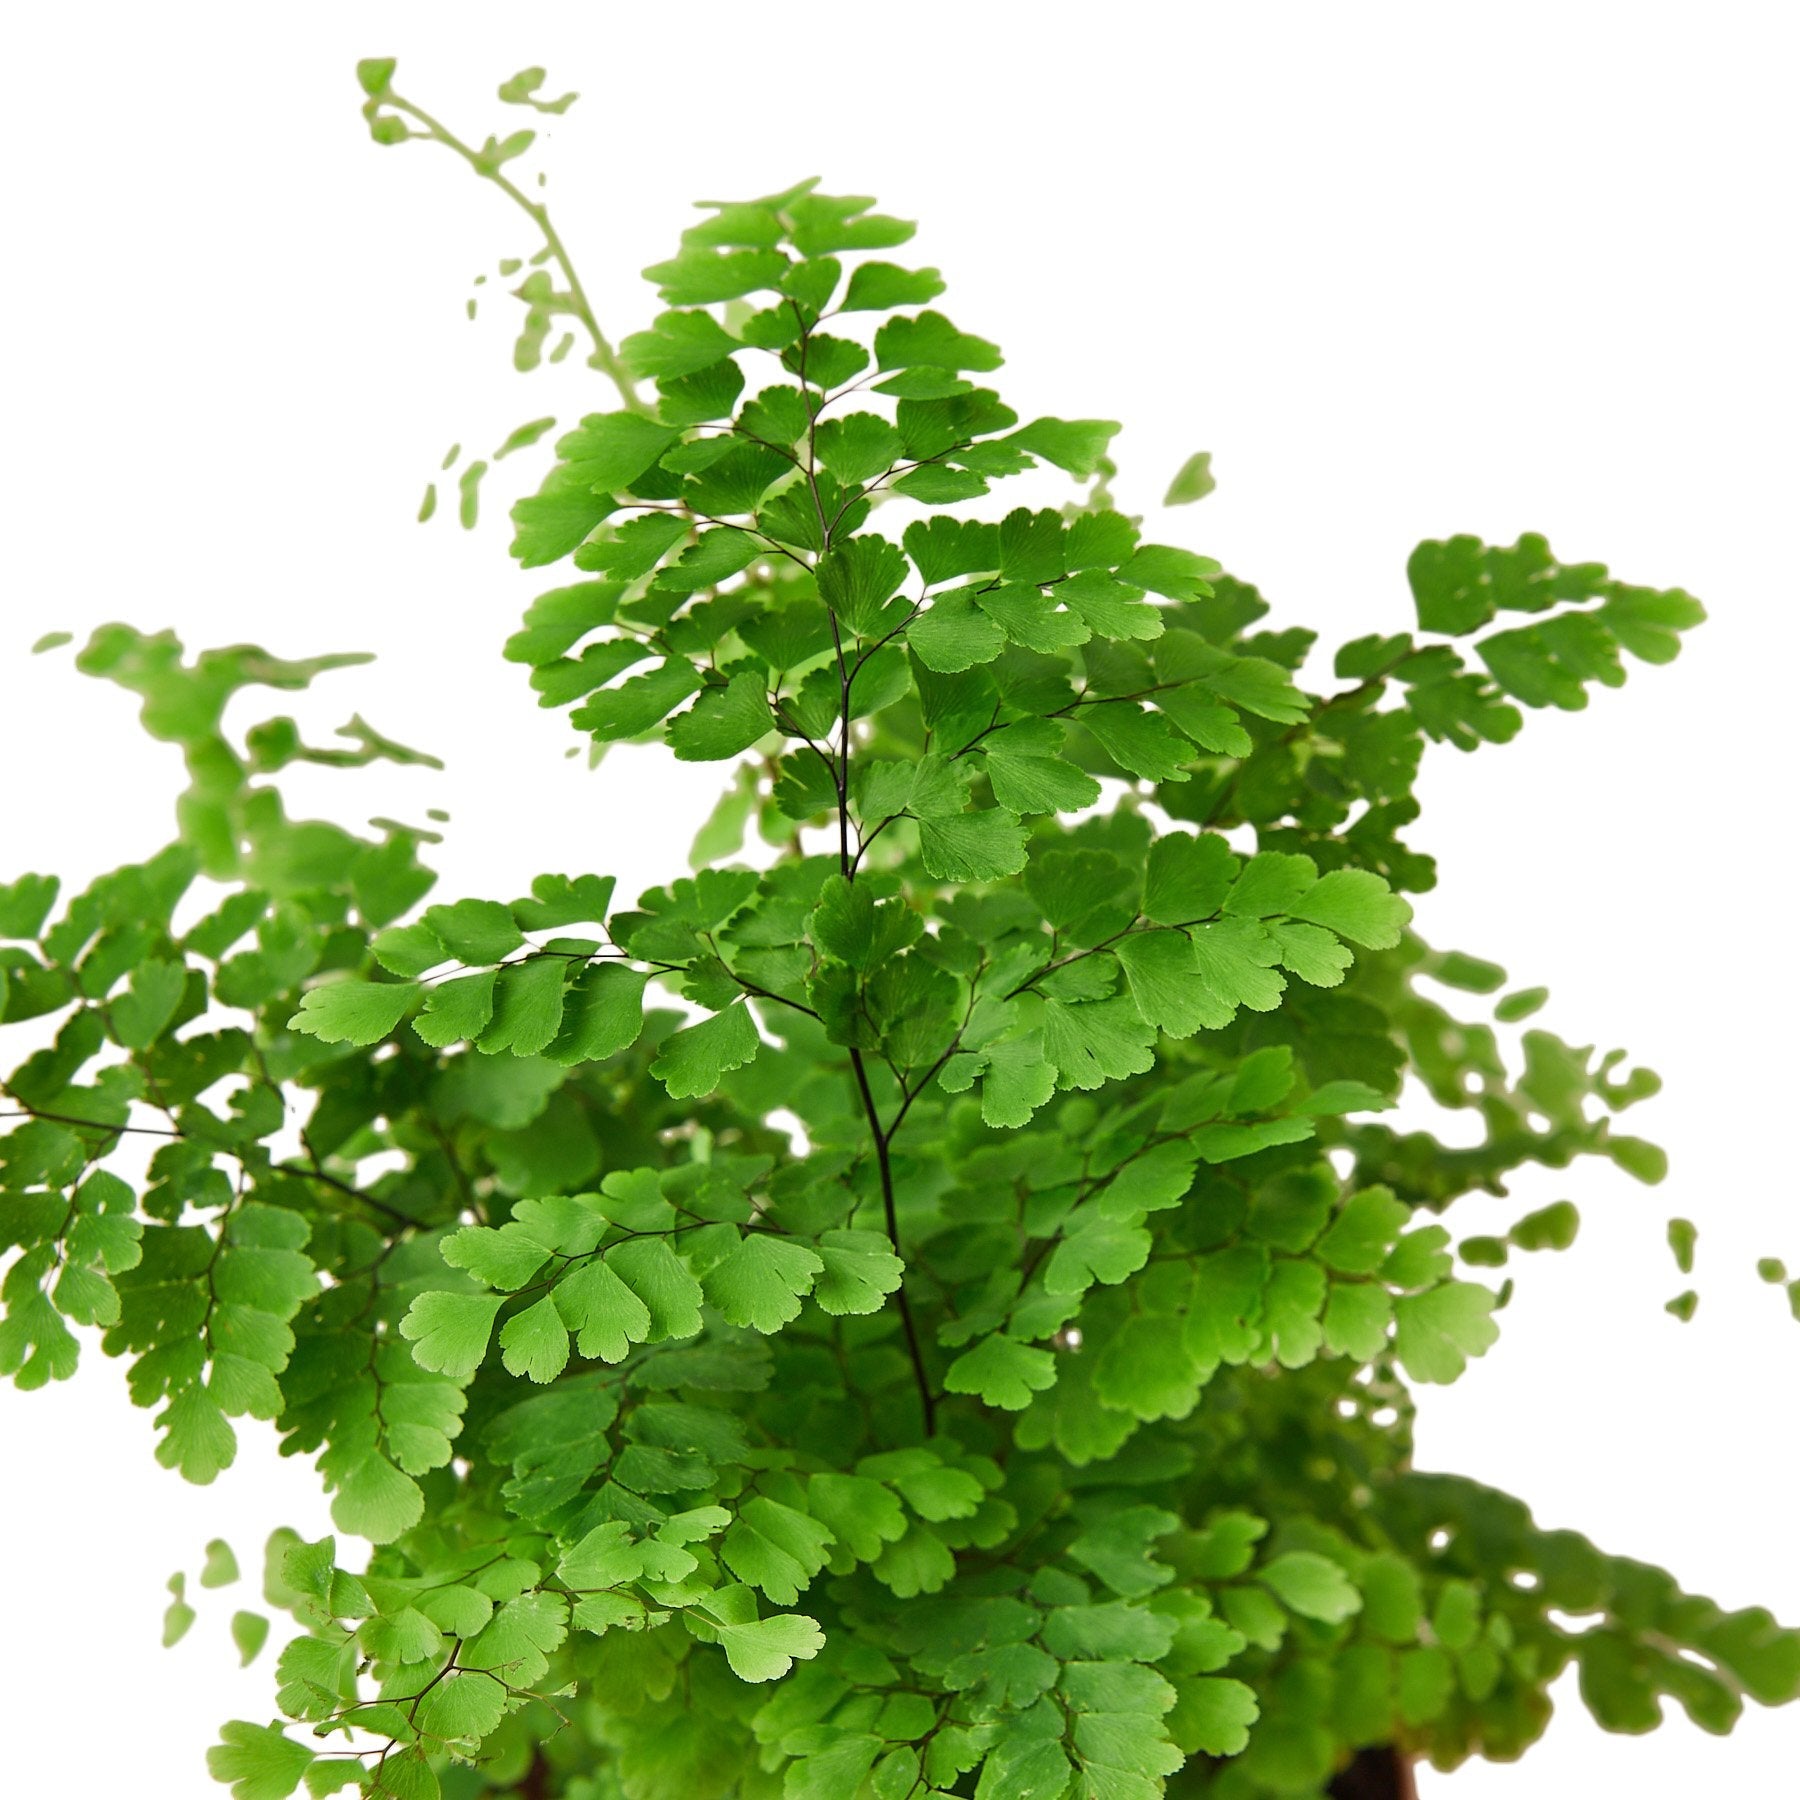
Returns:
<point x="927" y="1308"/>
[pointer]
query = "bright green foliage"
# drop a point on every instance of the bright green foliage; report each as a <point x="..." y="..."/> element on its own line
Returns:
<point x="1193" y="481"/>
<point x="1034" y="1420"/>
<point x="1682" y="1238"/>
<point x="249" y="1632"/>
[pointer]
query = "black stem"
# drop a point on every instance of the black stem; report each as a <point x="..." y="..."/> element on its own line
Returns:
<point x="847" y="867"/>
<point x="913" y="1347"/>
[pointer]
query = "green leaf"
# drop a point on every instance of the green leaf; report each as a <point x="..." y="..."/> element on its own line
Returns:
<point x="861" y="1514"/>
<point x="563" y="512"/>
<point x="25" y="904"/>
<point x="374" y="74"/>
<point x="1101" y="1041"/>
<point x="249" y="1632"/>
<point x="522" y="437"/>
<point x="829" y="361"/>
<point x="1357" y="1319"/>
<point x="449" y="1332"/>
<point x="1458" y="583"/>
<point x="954" y="634"/>
<point x="1214" y="1715"/>
<point x="1436" y="1332"/>
<point x="1552" y="1227"/>
<point x="1364" y="1231"/>
<point x="1193" y="481"/>
<point x="603" y="1558"/>
<point x="1393" y="1602"/>
<point x="973" y="846"/>
<point x="1550" y="664"/>
<point x="751" y="224"/>
<point x="1311" y="952"/>
<point x="775" y="1548"/>
<point x="634" y="706"/>
<point x="259" y="1761"/>
<point x="1311" y="1585"/>
<point x="761" y="1282"/>
<point x="1068" y="885"/>
<point x="353" y="1012"/>
<point x="527" y="1007"/>
<point x="1103" y="1250"/>
<point x="1002" y="1372"/>
<point x="178" y="1616"/>
<point x="691" y="1062"/>
<point x="1118" y="1549"/>
<point x="472" y="931"/>
<point x="765" y="1649"/>
<point x="723" y="721"/>
<point x="941" y="548"/>
<point x="1188" y="877"/>
<point x="1647" y="623"/>
<point x="841" y="1766"/>
<point x="1356" y="905"/>
<point x="822" y="224"/>
<point x="407" y="950"/>
<point x="1682" y="1239"/>
<point x="1227" y="1545"/>
<point x="663" y="1282"/>
<point x="858" y="578"/>
<point x="1138" y="740"/>
<point x="1175" y="574"/>
<point x="563" y="616"/>
<point x="375" y="1500"/>
<point x="1180" y="992"/>
<point x="1109" y="608"/>
<point x="521" y="90"/>
<point x="603" y="1013"/>
<point x="221" y="1566"/>
<point x="1075" y="445"/>
<point x="1521" y="1005"/>
<point x="624" y="552"/>
<point x="1017" y="1082"/>
<point x="506" y="1258"/>
<point x="714" y="556"/>
<point x="457" y="1011"/>
<point x="930" y="338"/>
<point x="857" y="447"/>
<point x="699" y="277"/>
<point x="882" y="286"/>
<point x="466" y="1706"/>
<point x="1028" y="772"/>
<point x="860" y="1271"/>
<point x="1031" y="618"/>
<point x="678" y="344"/>
<point x="608" y="1316"/>
<point x="1425" y="1685"/>
<point x="140" y="1014"/>
<point x="1648" y="1162"/>
<point x="849" y="923"/>
<point x="535" y="1342"/>
<point x="1196" y="713"/>
<point x="813" y="281"/>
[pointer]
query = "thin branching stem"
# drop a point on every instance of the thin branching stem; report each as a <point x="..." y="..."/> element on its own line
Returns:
<point x="603" y="356"/>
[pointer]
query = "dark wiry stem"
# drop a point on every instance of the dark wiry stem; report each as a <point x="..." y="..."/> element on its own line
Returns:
<point x="914" y="1350"/>
<point x="847" y="867"/>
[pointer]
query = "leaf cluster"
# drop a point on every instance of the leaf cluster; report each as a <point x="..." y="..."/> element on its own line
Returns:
<point x="931" y="1309"/>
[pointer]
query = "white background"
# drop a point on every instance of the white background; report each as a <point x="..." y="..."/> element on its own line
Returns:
<point x="1403" y="270"/>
